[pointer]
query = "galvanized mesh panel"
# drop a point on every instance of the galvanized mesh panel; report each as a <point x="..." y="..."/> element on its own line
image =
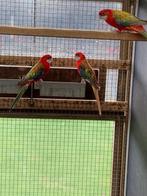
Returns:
<point x="59" y="47"/>
<point x="55" y="157"/>
<point x="75" y="14"/>
<point x="62" y="157"/>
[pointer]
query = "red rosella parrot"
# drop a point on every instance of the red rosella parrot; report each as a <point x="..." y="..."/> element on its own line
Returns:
<point x="123" y="21"/>
<point x="37" y="73"/>
<point x="87" y="73"/>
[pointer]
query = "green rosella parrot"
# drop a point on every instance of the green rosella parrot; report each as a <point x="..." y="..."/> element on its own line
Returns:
<point x="37" y="73"/>
<point x="87" y="73"/>
<point x="123" y="21"/>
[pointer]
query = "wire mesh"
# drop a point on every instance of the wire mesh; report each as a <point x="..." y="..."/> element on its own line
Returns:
<point x="60" y="14"/>
<point x="56" y="157"/>
<point x="66" y="48"/>
<point x="52" y="156"/>
<point x="75" y="14"/>
<point x="59" y="47"/>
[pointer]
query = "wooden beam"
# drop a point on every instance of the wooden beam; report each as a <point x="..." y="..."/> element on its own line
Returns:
<point x="64" y="62"/>
<point x="117" y="157"/>
<point x="102" y="82"/>
<point x="64" y="104"/>
<point x="70" y="33"/>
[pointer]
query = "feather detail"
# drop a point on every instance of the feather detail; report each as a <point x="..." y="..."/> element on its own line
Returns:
<point x="86" y="72"/>
<point x="37" y="72"/>
<point x="121" y="19"/>
<point x="144" y="34"/>
<point x="34" y="74"/>
<point x="127" y="19"/>
<point x="138" y="29"/>
<point x="21" y="92"/>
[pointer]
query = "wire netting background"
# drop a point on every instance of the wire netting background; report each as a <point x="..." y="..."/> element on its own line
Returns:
<point x="56" y="157"/>
<point x="58" y="47"/>
<point x="65" y="48"/>
<point x="78" y="14"/>
<point x="75" y="14"/>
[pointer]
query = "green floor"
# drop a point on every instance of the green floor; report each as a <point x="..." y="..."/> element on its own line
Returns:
<point x="40" y="157"/>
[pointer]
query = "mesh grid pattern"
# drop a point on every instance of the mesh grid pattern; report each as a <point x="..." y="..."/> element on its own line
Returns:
<point x="61" y="157"/>
<point x="56" y="157"/>
<point x="76" y="14"/>
<point x="58" y="47"/>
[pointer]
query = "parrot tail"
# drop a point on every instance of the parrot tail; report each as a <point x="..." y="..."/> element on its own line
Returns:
<point x="19" y="95"/>
<point x="144" y="34"/>
<point x="96" y="93"/>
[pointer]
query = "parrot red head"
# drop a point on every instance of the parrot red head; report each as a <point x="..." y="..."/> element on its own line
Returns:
<point x="46" y="59"/>
<point x="79" y="56"/>
<point x="105" y="13"/>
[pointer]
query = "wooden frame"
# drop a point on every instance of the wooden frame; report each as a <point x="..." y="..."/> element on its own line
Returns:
<point x="64" y="62"/>
<point x="81" y="109"/>
<point x="63" y="104"/>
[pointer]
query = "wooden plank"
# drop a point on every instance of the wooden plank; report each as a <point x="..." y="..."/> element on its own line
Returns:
<point x="121" y="86"/>
<point x="55" y="74"/>
<point x="63" y="104"/>
<point x="102" y="82"/>
<point x="70" y="33"/>
<point x="123" y="161"/>
<point x="58" y="115"/>
<point x="64" y="62"/>
<point x="117" y="157"/>
<point x="125" y="53"/>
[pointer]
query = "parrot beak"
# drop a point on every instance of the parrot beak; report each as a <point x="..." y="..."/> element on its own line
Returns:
<point x="102" y="17"/>
<point x="50" y="60"/>
<point x="77" y="58"/>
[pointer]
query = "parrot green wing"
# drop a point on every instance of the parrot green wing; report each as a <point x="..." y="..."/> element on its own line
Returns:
<point x="88" y="73"/>
<point x="35" y="73"/>
<point x="126" y="19"/>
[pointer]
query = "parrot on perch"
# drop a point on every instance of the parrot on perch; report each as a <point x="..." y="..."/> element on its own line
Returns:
<point x="124" y="21"/>
<point x="87" y="73"/>
<point x="36" y="73"/>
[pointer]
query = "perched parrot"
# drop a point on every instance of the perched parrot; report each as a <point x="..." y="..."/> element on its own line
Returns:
<point x="37" y="73"/>
<point x="87" y="73"/>
<point x="123" y="21"/>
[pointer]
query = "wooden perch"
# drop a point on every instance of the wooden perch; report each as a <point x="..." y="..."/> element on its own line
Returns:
<point x="70" y="33"/>
<point x="64" y="104"/>
<point x="64" y="62"/>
